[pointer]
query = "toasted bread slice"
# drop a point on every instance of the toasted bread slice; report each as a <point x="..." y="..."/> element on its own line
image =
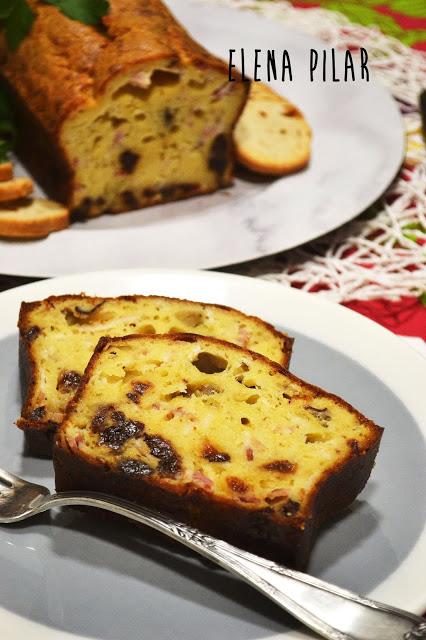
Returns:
<point x="15" y="189"/>
<point x="26" y="219"/>
<point x="68" y="328"/>
<point x="6" y="171"/>
<point x="217" y="436"/>
<point x="271" y="137"/>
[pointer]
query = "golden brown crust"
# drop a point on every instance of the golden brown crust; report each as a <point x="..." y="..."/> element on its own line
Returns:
<point x="286" y="539"/>
<point x="34" y="428"/>
<point x="82" y="60"/>
<point x="24" y="220"/>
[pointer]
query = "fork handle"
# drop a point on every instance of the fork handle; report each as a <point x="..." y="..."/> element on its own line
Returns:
<point x="333" y="613"/>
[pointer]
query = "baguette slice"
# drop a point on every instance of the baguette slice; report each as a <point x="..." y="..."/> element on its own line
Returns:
<point x="27" y="219"/>
<point x="58" y="336"/>
<point x="6" y="171"/>
<point x="15" y="189"/>
<point x="272" y="137"/>
<point x="218" y="437"/>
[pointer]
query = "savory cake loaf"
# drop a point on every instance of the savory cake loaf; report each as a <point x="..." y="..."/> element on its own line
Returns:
<point x="217" y="436"/>
<point x="123" y="116"/>
<point x="58" y="336"/>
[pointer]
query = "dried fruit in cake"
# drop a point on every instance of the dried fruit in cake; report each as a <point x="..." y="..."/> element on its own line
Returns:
<point x="221" y="438"/>
<point x="58" y="336"/>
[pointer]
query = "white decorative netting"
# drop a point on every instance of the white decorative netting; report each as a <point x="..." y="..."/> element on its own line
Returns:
<point x="382" y="254"/>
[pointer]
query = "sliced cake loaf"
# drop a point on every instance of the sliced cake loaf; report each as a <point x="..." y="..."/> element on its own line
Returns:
<point x="58" y="336"/>
<point x="217" y="436"/>
<point x="123" y="116"/>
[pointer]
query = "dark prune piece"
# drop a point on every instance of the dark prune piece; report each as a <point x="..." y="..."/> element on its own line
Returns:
<point x="68" y="381"/>
<point x="37" y="414"/>
<point x="219" y="154"/>
<point x="170" y="462"/>
<point x="128" y="160"/>
<point x="213" y="455"/>
<point x="117" y="435"/>
<point x="236" y="484"/>
<point x="282" y="466"/>
<point x="98" y="421"/>
<point x="136" y="468"/>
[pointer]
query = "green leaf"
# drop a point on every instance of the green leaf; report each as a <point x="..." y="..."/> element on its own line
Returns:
<point x="5" y="149"/>
<point x="422" y="298"/>
<point x="87" y="11"/>
<point x="18" y="23"/>
<point x="415" y="8"/>
<point x="5" y="8"/>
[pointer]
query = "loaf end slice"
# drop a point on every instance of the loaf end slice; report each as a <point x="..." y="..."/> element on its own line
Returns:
<point x="58" y="336"/>
<point x="15" y="189"/>
<point x="272" y="137"/>
<point x="31" y="219"/>
<point x="218" y="437"/>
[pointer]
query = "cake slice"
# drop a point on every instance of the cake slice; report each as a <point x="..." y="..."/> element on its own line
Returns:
<point x="15" y="189"/>
<point x="58" y="336"/>
<point x="30" y="219"/>
<point x="272" y="137"/>
<point x="121" y="115"/>
<point x="218" y="437"/>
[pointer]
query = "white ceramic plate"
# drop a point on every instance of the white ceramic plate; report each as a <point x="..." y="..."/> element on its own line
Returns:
<point x="357" y="150"/>
<point x="70" y="572"/>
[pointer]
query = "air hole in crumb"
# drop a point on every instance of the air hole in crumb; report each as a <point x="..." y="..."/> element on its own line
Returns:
<point x="117" y="122"/>
<point x="245" y="421"/>
<point x="252" y="399"/>
<point x="146" y="329"/>
<point x="283" y="131"/>
<point x="209" y="363"/>
<point x="163" y="78"/>
<point x="140" y="117"/>
<point x="190" y="318"/>
<point x="263" y="114"/>
<point x="316" y="437"/>
<point x="148" y="139"/>
<point x="196" y="84"/>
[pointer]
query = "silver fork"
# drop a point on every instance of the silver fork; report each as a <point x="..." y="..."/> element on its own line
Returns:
<point x="332" y="612"/>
